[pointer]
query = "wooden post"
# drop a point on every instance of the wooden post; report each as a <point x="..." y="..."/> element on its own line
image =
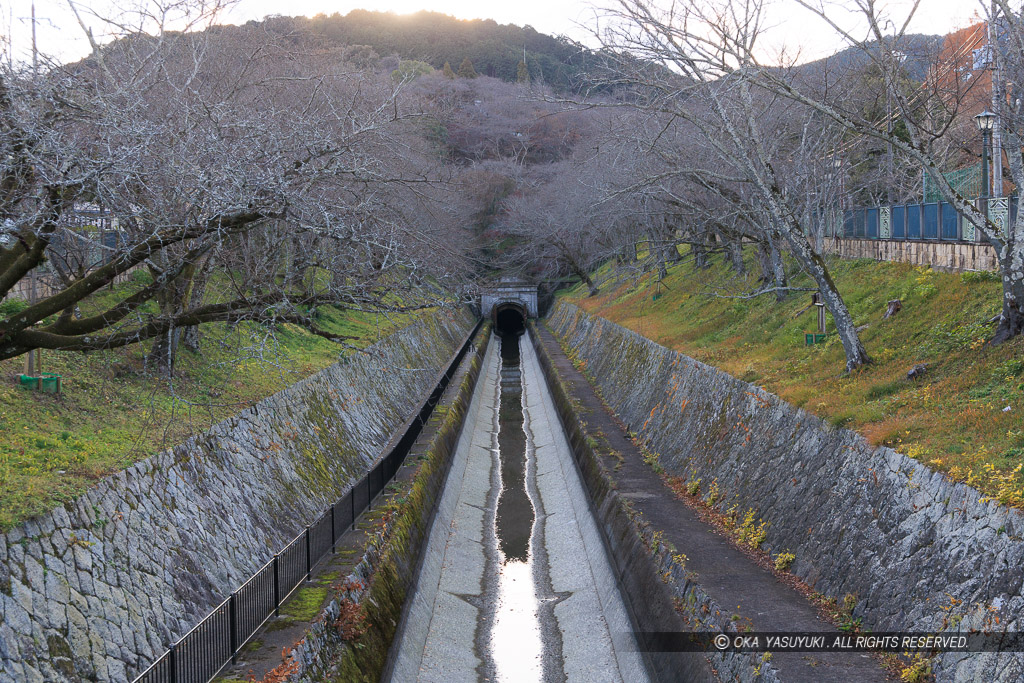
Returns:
<point x="32" y="356"/>
<point x="818" y="301"/>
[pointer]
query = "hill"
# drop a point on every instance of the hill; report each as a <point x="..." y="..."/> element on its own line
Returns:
<point x="112" y="413"/>
<point x="920" y="52"/>
<point x="494" y="49"/>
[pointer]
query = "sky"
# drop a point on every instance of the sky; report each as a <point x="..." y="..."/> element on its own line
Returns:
<point x="59" y="34"/>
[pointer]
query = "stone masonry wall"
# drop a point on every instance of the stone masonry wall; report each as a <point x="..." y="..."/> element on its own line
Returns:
<point x="100" y="586"/>
<point x="939" y="255"/>
<point x="917" y="550"/>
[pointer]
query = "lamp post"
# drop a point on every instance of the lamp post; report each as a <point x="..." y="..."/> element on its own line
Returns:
<point x="837" y="164"/>
<point x="985" y="120"/>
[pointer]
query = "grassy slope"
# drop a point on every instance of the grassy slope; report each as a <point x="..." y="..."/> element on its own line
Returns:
<point x="112" y="414"/>
<point x="953" y="418"/>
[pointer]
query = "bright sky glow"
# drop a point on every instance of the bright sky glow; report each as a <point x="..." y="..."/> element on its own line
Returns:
<point x="59" y="34"/>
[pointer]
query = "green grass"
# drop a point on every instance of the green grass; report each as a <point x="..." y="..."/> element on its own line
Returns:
<point x="112" y="413"/>
<point x="953" y="418"/>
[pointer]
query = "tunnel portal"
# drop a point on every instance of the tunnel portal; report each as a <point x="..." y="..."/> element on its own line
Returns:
<point x="509" y="320"/>
<point x="509" y="303"/>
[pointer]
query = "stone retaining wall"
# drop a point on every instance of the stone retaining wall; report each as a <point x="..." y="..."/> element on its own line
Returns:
<point x="918" y="551"/>
<point x="99" y="587"/>
<point x="939" y="255"/>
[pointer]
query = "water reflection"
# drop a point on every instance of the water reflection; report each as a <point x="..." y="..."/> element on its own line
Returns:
<point x="516" y="645"/>
<point x="515" y="511"/>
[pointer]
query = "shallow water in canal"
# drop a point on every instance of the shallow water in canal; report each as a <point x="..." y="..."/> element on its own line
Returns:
<point x="515" y="583"/>
<point x="516" y="645"/>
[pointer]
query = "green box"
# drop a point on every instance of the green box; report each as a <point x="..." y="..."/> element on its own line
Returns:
<point x="810" y="338"/>
<point x="47" y="382"/>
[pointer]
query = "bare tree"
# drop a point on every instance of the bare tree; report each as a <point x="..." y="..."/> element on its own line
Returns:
<point x="238" y="165"/>
<point x="559" y="224"/>
<point x="932" y="115"/>
<point x="690" y="63"/>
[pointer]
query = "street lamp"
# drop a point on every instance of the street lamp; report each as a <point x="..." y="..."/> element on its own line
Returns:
<point x="985" y="120"/>
<point x="837" y="163"/>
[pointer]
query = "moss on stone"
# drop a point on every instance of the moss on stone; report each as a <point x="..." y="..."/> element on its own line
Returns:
<point x="305" y="603"/>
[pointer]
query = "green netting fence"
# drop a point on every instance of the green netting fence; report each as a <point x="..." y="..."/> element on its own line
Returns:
<point x="966" y="181"/>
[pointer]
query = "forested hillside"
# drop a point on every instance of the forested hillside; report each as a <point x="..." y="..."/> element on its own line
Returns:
<point x="494" y="49"/>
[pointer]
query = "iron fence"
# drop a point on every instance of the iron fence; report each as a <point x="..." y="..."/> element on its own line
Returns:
<point x="931" y="221"/>
<point x="203" y="652"/>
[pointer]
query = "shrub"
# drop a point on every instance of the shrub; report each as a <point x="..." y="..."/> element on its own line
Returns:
<point x="11" y="307"/>
<point x="713" y="493"/>
<point x="752" y="531"/>
<point x="974" y="276"/>
<point x="918" y="671"/>
<point x="783" y="561"/>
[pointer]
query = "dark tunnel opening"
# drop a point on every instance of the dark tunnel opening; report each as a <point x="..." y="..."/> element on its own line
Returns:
<point x="509" y="321"/>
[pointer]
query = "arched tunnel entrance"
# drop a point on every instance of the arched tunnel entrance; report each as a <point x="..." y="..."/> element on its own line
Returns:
<point x="509" y="320"/>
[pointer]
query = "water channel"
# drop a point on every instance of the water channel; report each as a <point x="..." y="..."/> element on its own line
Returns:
<point x="516" y="647"/>
<point x="515" y="585"/>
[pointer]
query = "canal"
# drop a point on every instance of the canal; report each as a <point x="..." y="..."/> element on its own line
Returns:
<point x="515" y="583"/>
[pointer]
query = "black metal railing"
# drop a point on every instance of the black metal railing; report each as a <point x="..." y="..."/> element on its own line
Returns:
<point x="932" y="222"/>
<point x="203" y="652"/>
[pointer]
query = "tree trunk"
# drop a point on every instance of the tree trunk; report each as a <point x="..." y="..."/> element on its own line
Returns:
<point x="585" y="276"/>
<point x="764" y="259"/>
<point x="671" y="252"/>
<point x="190" y="336"/>
<point x="582" y="273"/>
<point x="700" y="254"/>
<point x="622" y="256"/>
<point x="735" y="248"/>
<point x="778" y="270"/>
<point x="662" y="265"/>
<point x="173" y="300"/>
<point x="164" y="352"/>
<point x="814" y="265"/>
<point x="1011" y="322"/>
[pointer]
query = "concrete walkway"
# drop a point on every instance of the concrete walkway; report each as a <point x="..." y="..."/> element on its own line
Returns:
<point x="447" y="634"/>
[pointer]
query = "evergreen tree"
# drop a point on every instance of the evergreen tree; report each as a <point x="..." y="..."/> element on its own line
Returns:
<point x="522" y="73"/>
<point x="448" y="73"/>
<point x="466" y="69"/>
<point x="410" y="70"/>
